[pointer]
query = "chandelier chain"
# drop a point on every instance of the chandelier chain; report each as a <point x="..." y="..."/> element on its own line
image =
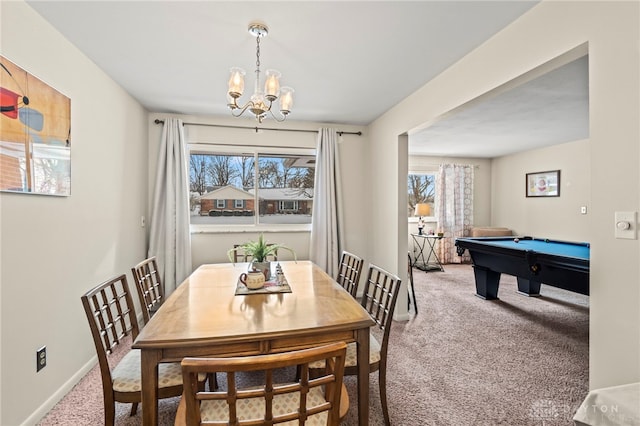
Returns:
<point x="257" y="84"/>
<point x="258" y="53"/>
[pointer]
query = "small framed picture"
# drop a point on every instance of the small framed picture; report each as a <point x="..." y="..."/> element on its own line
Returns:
<point x="543" y="184"/>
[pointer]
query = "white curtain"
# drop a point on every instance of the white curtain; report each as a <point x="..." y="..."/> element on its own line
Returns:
<point x="454" y="209"/>
<point x="326" y="233"/>
<point x="170" y="240"/>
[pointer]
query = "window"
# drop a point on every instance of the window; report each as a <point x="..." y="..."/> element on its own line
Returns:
<point x="421" y="188"/>
<point x="288" y="206"/>
<point x="284" y="182"/>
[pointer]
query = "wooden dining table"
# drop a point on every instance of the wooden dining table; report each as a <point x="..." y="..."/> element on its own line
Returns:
<point x="205" y="317"/>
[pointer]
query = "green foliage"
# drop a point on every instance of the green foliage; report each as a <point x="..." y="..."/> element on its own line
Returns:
<point x="259" y="250"/>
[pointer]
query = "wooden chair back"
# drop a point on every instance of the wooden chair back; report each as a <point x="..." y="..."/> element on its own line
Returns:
<point x="265" y="404"/>
<point x="349" y="272"/>
<point x="149" y="286"/>
<point x="112" y="320"/>
<point x="379" y="299"/>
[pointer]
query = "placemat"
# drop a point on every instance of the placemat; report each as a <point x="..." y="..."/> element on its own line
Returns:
<point x="270" y="286"/>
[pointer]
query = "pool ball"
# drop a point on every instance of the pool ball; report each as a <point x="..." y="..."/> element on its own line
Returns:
<point x="516" y="240"/>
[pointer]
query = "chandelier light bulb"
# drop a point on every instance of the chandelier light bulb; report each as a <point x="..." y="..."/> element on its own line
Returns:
<point x="286" y="100"/>
<point x="236" y="82"/>
<point x="272" y="85"/>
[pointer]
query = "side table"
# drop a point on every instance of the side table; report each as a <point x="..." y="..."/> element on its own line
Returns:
<point x="422" y="242"/>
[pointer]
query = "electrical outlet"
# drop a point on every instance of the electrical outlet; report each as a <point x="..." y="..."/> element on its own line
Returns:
<point x="41" y="358"/>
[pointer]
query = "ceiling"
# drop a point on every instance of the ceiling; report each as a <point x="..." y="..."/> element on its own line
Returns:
<point x="348" y="61"/>
<point x="549" y="109"/>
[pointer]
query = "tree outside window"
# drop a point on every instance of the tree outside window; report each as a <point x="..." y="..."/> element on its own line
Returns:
<point x="421" y="188"/>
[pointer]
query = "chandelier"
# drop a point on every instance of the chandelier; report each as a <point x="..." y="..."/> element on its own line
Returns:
<point x="261" y="101"/>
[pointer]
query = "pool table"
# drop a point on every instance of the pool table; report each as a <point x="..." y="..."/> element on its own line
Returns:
<point x="533" y="261"/>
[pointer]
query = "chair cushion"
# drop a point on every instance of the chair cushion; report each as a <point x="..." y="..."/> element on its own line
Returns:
<point x="126" y="376"/>
<point x="352" y="354"/>
<point x="254" y="408"/>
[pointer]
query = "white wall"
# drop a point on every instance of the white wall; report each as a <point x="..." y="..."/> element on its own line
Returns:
<point x="56" y="248"/>
<point x="558" y="217"/>
<point x="211" y="246"/>
<point x="611" y="30"/>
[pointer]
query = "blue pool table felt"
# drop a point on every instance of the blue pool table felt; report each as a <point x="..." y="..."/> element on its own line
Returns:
<point x="550" y="247"/>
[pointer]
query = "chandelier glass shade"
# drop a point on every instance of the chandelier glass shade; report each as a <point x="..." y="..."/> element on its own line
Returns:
<point x="262" y="101"/>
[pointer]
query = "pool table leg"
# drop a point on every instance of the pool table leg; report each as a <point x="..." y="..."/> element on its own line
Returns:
<point x="528" y="287"/>
<point x="487" y="282"/>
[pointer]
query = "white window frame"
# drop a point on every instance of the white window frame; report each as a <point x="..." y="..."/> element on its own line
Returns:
<point x="432" y="216"/>
<point x="238" y="204"/>
<point x="221" y="204"/>
<point x="223" y="149"/>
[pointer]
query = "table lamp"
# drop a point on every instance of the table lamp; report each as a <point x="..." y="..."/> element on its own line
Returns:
<point x="422" y="209"/>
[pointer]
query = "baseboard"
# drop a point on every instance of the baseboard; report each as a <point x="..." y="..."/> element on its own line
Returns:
<point x="401" y="317"/>
<point x="42" y="411"/>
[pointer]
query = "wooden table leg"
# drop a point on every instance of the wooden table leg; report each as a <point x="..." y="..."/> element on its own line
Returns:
<point x="363" y="377"/>
<point x="149" y="369"/>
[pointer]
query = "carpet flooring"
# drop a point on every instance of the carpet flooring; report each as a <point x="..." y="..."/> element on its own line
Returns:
<point x="460" y="360"/>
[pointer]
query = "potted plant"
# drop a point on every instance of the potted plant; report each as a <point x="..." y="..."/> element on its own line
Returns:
<point x="259" y="251"/>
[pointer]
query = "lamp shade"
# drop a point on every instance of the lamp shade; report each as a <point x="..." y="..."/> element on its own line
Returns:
<point x="272" y="85"/>
<point x="422" y="209"/>
<point x="236" y="82"/>
<point x="286" y="99"/>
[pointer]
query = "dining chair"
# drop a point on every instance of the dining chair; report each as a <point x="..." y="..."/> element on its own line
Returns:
<point x="321" y="400"/>
<point x="379" y="299"/>
<point x="349" y="272"/>
<point x="412" y="294"/>
<point x="151" y="293"/>
<point x="240" y="256"/>
<point x="149" y="286"/>
<point x="113" y="323"/>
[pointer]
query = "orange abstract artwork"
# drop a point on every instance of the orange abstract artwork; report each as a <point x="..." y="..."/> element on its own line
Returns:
<point x="35" y="134"/>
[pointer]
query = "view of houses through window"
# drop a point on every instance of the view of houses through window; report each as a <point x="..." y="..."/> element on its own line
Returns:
<point x="223" y="188"/>
<point x="421" y="189"/>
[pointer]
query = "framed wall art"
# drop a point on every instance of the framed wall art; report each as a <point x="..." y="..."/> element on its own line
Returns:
<point x="543" y="184"/>
<point x="35" y="134"/>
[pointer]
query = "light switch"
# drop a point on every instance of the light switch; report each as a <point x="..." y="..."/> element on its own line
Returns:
<point x="625" y="225"/>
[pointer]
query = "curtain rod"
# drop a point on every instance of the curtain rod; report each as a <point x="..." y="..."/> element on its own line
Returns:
<point x="157" y="121"/>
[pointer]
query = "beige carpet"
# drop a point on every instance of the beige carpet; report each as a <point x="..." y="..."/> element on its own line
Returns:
<point x="460" y="361"/>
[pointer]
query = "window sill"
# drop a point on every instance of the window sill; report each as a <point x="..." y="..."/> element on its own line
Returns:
<point x="240" y="229"/>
